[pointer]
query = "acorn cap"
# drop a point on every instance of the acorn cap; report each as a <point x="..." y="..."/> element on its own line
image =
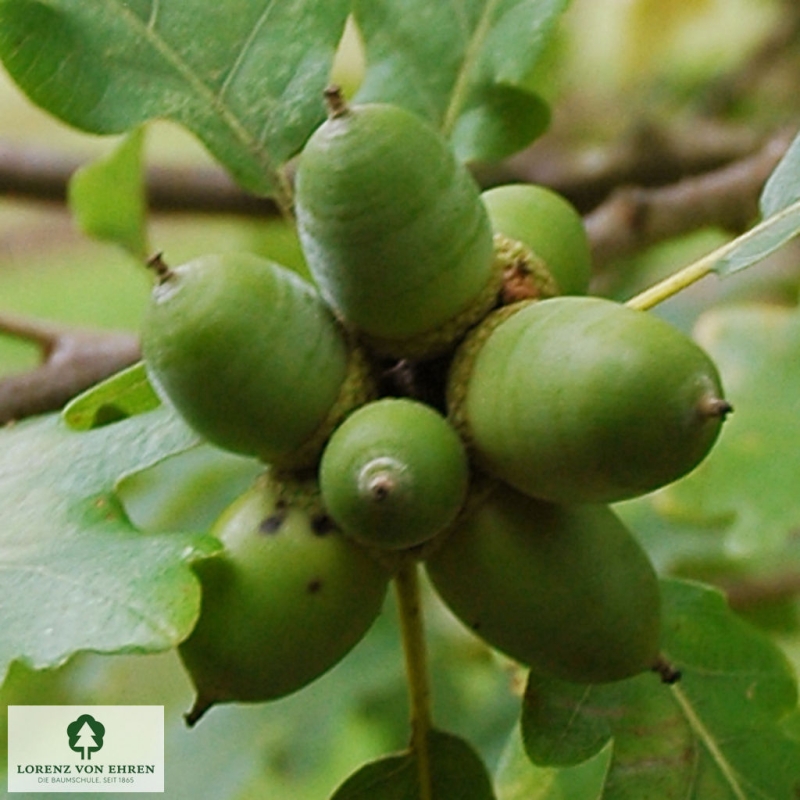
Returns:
<point x="548" y="226"/>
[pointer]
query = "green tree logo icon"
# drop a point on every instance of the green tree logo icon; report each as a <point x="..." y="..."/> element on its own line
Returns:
<point x="86" y="735"/>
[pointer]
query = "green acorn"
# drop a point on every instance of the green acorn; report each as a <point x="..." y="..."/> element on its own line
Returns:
<point x="566" y="590"/>
<point x="582" y="400"/>
<point x="393" y="229"/>
<point x="394" y="474"/>
<point x="251" y="357"/>
<point x="288" y="598"/>
<point x="549" y="226"/>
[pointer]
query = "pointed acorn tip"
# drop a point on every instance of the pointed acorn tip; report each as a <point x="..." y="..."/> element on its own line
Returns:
<point x="335" y="102"/>
<point x="714" y="407"/>
<point x="201" y="705"/>
<point x="159" y="266"/>
<point x="379" y="479"/>
<point x="381" y="486"/>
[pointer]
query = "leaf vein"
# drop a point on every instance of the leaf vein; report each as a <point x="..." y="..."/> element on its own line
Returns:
<point x="111" y="600"/>
<point x="196" y="85"/>
<point x="154" y="10"/>
<point x="471" y="57"/>
<point x="705" y="736"/>
<point x="243" y="50"/>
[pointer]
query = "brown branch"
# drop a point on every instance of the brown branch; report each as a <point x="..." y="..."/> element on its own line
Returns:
<point x="630" y="219"/>
<point x="633" y="217"/>
<point x="34" y="172"/>
<point x="203" y="189"/>
<point x="40" y="174"/>
<point x="649" y="156"/>
<point x="745" y="593"/>
<point x="73" y="360"/>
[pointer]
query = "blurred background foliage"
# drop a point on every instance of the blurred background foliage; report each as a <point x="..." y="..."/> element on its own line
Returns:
<point x="617" y="67"/>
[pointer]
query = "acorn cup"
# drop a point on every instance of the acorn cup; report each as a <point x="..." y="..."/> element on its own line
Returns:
<point x="251" y="357"/>
<point x="583" y="400"/>
<point x="393" y="229"/>
<point x="566" y="590"/>
<point x="549" y="232"/>
<point x="394" y="474"/>
<point x="288" y="598"/>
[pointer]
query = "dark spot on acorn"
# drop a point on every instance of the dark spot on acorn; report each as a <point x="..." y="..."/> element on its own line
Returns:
<point x="476" y="625"/>
<point x="272" y="524"/>
<point x="334" y="100"/>
<point x="322" y="524"/>
<point x="314" y="586"/>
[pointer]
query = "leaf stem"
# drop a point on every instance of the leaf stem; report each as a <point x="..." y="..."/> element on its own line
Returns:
<point x="669" y="286"/>
<point x="712" y="261"/>
<point x="676" y="282"/>
<point x="406" y="584"/>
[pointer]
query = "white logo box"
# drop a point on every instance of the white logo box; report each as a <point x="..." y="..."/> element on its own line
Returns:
<point x="85" y="749"/>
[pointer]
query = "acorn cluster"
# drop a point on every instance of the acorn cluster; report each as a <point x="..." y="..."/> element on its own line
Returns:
<point x="445" y="392"/>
